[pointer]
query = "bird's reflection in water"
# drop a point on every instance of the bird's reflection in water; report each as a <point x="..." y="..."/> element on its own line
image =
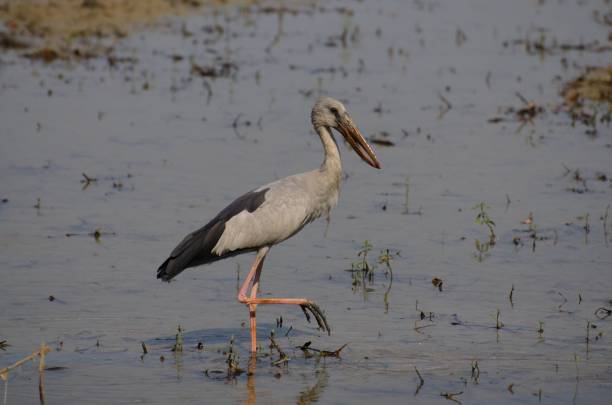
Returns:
<point x="313" y="393"/>
<point x="251" y="394"/>
<point x="178" y="364"/>
<point x="305" y="397"/>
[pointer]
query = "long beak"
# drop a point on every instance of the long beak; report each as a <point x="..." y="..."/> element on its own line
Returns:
<point x="352" y="135"/>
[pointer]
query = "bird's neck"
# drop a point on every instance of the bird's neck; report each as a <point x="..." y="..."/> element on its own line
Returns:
<point x="332" y="164"/>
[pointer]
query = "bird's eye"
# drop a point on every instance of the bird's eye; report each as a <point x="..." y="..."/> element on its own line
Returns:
<point x="334" y="110"/>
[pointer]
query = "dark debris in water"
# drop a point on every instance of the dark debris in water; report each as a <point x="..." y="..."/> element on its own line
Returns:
<point x="56" y="368"/>
<point x="8" y="41"/>
<point x="307" y="349"/>
<point x="543" y="46"/>
<point x="224" y="69"/>
<point x="437" y="282"/>
<point x="451" y="396"/>
<point x="603" y="313"/>
<point x="382" y="139"/>
<point x="524" y="114"/>
<point x="96" y="234"/>
<point x="46" y="55"/>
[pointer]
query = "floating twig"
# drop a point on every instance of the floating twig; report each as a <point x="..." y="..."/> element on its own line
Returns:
<point x="418" y="328"/>
<point x="421" y="381"/>
<point x="87" y="180"/>
<point x="96" y="234"/>
<point x="446" y="107"/>
<point x="322" y="353"/>
<point x="451" y="396"/>
<point x="382" y="139"/>
<point x="235" y="126"/>
<point x="44" y="349"/>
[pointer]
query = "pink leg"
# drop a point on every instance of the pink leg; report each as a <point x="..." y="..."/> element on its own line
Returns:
<point x="252" y="301"/>
<point x="252" y="280"/>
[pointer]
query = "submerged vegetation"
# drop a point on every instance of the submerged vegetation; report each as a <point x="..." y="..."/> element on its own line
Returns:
<point x="363" y="273"/>
<point x="482" y="218"/>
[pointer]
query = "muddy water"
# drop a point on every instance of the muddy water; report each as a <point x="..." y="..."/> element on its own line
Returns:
<point x="169" y="149"/>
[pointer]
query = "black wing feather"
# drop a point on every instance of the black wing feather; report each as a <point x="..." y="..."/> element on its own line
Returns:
<point x="196" y="248"/>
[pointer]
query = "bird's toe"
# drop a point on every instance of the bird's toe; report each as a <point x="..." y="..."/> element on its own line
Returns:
<point x="318" y="315"/>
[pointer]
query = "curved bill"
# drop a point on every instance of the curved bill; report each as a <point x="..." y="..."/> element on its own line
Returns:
<point x="357" y="141"/>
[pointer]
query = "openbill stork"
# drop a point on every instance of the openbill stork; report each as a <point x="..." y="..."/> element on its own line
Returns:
<point x="272" y="213"/>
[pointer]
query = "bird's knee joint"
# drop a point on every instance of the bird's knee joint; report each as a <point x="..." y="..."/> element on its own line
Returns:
<point x="248" y="301"/>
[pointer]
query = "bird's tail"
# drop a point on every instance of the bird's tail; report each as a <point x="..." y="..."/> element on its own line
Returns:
<point x="167" y="271"/>
<point x="194" y="250"/>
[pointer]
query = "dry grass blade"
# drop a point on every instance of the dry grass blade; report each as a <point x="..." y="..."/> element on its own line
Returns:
<point x="282" y="356"/>
<point x="451" y="396"/>
<point x="44" y="349"/>
<point x="421" y="381"/>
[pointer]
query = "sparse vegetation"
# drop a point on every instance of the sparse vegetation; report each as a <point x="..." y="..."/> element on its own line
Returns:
<point x="178" y="344"/>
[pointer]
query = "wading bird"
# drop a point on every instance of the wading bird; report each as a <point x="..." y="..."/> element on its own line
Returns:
<point x="272" y="213"/>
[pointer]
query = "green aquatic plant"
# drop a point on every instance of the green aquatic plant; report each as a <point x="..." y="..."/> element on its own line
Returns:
<point x="385" y="258"/>
<point x="178" y="345"/>
<point x="363" y="264"/>
<point x="483" y="218"/>
<point x="232" y="361"/>
<point x="363" y="272"/>
<point x="482" y="250"/>
<point x="361" y="269"/>
<point x="498" y="323"/>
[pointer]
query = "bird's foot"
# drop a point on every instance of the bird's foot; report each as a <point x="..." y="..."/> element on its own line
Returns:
<point x="318" y="315"/>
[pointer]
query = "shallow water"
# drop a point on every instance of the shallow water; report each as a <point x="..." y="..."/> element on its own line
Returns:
<point x="170" y="151"/>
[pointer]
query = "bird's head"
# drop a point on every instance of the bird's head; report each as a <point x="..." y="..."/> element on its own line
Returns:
<point x="330" y="113"/>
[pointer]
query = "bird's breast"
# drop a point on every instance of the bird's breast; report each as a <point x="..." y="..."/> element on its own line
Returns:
<point x="289" y="205"/>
